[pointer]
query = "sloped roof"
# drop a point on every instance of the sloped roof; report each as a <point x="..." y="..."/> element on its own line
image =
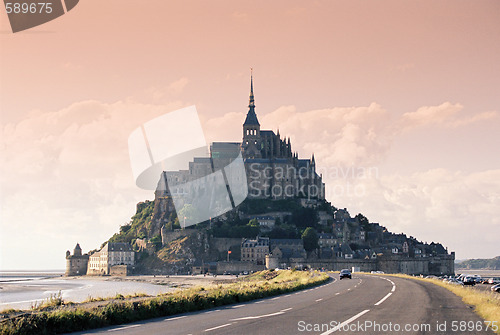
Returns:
<point x="118" y="247"/>
<point x="251" y="118"/>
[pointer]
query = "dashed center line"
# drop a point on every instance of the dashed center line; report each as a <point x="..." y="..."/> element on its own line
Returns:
<point x="221" y="326"/>
<point x="319" y="299"/>
<point x="238" y="306"/>
<point x="257" y="316"/>
<point x="346" y="322"/>
<point x="122" y="328"/>
<point x="383" y="299"/>
<point x="176" y="318"/>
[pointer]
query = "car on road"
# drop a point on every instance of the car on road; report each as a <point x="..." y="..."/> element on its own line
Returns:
<point x="345" y="273"/>
<point x="496" y="288"/>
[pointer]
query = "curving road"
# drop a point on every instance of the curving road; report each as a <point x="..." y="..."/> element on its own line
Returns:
<point x="365" y="304"/>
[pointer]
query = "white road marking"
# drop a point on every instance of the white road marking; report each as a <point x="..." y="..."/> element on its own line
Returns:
<point x="209" y="329"/>
<point x="259" y="302"/>
<point x="122" y="328"/>
<point x="275" y="298"/>
<point x="318" y="300"/>
<point x="383" y="299"/>
<point x="258" y="316"/>
<point x="337" y="293"/>
<point x="346" y="322"/>
<point x="238" y="306"/>
<point x="393" y="288"/>
<point x="176" y="318"/>
<point x="286" y="309"/>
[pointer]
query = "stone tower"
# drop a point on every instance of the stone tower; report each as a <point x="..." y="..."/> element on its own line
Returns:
<point x="76" y="264"/>
<point x="251" y="144"/>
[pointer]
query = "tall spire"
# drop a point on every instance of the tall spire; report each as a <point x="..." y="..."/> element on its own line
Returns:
<point x="252" y="101"/>
<point x="251" y="118"/>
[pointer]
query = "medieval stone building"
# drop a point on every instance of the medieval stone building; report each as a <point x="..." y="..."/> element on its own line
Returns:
<point x="273" y="170"/>
<point x="76" y="264"/>
<point x="112" y="255"/>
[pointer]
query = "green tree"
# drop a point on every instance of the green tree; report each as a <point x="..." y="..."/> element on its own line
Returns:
<point x="310" y="239"/>
<point x="304" y="217"/>
<point x="125" y="228"/>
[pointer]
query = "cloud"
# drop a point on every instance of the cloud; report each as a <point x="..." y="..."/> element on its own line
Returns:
<point x="461" y="210"/>
<point x="224" y="128"/>
<point x="490" y="115"/>
<point x="178" y="86"/>
<point x="446" y="114"/>
<point x="162" y="93"/>
<point x="430" y="115"/>
<point x="349" y="135"/>
<point x="66" y="176"/>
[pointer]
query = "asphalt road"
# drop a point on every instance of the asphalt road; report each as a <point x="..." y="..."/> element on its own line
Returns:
<point x="363" y="305"/>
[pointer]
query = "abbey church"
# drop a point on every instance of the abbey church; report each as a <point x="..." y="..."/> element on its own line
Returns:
<point x="273" y="170"/>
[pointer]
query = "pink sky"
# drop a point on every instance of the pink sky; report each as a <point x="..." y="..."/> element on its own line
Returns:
<point x="410" y="89"/>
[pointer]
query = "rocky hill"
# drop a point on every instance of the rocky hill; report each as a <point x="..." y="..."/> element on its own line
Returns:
<point x="164" y="248"/>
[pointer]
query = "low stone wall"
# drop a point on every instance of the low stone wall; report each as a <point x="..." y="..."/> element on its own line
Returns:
<point x="236" y="267"/>
<point x="119" y="270"/>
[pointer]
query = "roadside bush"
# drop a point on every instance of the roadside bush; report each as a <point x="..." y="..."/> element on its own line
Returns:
<point x="119" y="312"/>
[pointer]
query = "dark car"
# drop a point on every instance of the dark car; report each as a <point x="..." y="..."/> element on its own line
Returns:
<point x="469" y="281"/>
<point x="345" y="274"/>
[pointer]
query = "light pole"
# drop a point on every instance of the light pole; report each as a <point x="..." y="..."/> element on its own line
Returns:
<point x="228" y="253"/>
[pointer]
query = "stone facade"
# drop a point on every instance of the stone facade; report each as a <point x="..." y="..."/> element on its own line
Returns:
<point x="255" y="251"/>
<point x="76" y="264"/>
<point x="101" y="262"/>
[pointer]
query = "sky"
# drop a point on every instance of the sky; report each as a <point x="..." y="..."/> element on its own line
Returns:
<point x="398" y="100"/>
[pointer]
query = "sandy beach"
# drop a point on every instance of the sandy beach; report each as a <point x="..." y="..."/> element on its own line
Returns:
<point x="23" y="294"/>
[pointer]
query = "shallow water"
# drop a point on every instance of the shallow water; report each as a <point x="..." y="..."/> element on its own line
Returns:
<point x="22" y="294"/>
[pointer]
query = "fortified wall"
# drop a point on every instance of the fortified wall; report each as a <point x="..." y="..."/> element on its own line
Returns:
<point x="435" y="265"/>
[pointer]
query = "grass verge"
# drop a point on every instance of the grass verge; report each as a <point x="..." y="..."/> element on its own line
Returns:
<point x="486" y="304"/>
<point x="63" y="320"/>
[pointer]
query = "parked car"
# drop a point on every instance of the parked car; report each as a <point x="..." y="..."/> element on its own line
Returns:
<point x="496" y="288"/>
<point x="469" y="281"/>
<point x="345" y="273"/>
<point x="454" y="282"/>
<point x="494" y="280"/>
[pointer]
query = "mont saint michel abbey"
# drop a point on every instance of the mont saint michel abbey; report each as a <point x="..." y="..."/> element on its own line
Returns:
<point x="273" y="169"/>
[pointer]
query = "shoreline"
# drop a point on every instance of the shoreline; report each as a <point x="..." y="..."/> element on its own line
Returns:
<point x="24" y="293"/>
